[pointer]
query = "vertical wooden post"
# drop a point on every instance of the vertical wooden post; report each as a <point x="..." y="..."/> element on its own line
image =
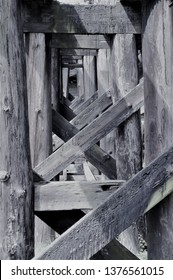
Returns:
<point x="128" y="135"/>
<point x="55" y="70"/>
<point x="80" y="82"/>
<point x="89" y="76"/>
<point x="65" y="81"/>
<point x="158" y="72"/>
<point x="40" y="119"/>
<point x="16" y="193"/>
<point x="104" y="83"/>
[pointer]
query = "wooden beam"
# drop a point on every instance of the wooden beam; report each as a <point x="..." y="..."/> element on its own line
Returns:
<point x="16" y="190"/>
<point x="57" y="196"/>
<point x="86" y="103"/>
<point x="89" y="68"/>
<point x="68" y="58"/>
<point x="87" y="172"/>
<point x="66" y="112"/>
<point x="93" y="110"/>
<point x="101" y="225"/>
<point x="78" y="52"/>
<point x="128" y="140"/>
<point x="77" y="102"/>
<point x="157" y="65"/>
<point x="53" y="17"/>
<point x="72" y="65"/>
<point x="78" y="41"/>
<point x="40" y="125"/>
<point x="91" y="134"/>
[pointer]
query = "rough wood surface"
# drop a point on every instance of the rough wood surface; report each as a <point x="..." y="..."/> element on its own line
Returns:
<point x="66" y="112"/>
<point x="93" y="110"/>
<point x="87" y="171"/>
<point x="57" y="196"/>
<point x="101" y="225"/>
<point x="65" y="80"/>
<point x="157" y="63"/>
<point x="91" y="134"/>
<point x="80" y="82"/>
<point x="39" y="101"/>
<point x="128" y="139"/>
<point x="53" y="17"/>
<point x="16" y="192"/>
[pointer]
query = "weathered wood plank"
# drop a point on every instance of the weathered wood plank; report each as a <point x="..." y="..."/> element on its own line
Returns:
<point x="93" y="110"/>
<point x="39" y="101"/>
<point x="77" y="102"/>
<point x="101" y="225"/>
<point x="91" y="134"/>
<point x="72" y="65"/>
<point x="157" y="65"/>
<point x="54" y="17"/>
<point x="65" y="81"/>
<point x="80" y="82"/>
<point x="16" y="191"/>
<point x="55" y="77"/>
<point x="57" y="196"/>
<point x="78" y="52"/>
<point x="86" y="103"/>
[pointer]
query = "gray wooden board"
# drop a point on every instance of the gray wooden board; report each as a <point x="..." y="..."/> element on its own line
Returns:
<point x="53" y="17"/>
<point x="56" y="196"/>
<point x="91" y="134"/>
<point x="114" y="215"/>
<point x="93" y="110"/>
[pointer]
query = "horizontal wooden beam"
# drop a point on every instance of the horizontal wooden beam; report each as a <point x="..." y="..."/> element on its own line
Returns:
<point x="72" y="65"/>
<point x="78" y="52"/>
<point x="68" y="58"/>
<point x="57" y="196"/>
<point x="116" y="214"/>
<point x="70" y="41"/>
<point x="91" y="134"/>
<point x="52" y="17"/>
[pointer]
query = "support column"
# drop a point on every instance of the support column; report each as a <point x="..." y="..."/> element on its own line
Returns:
<point x="105" y="83"/>
<point x="89" y="76"/>
<point x="158" y="85"/>
<point x="128" y="135"/>
<point x="16" y="188"/>
<point x="80" y="82"/>
<point x="55" y="73"/>
<point x="40" y="118"/>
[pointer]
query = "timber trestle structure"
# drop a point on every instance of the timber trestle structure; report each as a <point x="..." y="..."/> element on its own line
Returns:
<point x="84" y="178"/>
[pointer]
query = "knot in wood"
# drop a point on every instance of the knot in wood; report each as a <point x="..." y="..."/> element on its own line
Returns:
<point x="4" y="176"/>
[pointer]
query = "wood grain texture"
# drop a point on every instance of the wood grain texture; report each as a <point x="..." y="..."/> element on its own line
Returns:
<point x="128" y="139"/>
<point x="53" y="17"/>
<point x="80" y="82"/>
<point x="91" y="134"/>
<point x="57" y="196"/>
<point x="66" y="112"/>
<point x="101" y="225"/>
<point x="157" y="65"/>
<point x="39" y="101"/>
<point x="16" y="191"/>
